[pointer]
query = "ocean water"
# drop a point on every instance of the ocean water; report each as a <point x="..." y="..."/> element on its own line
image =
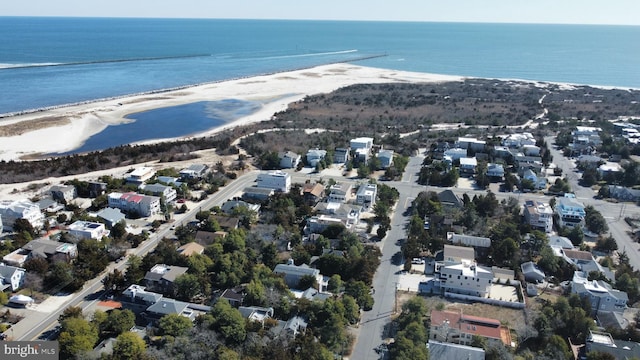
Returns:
<point x="46" y="62"/>
<point x="169" y="122"/>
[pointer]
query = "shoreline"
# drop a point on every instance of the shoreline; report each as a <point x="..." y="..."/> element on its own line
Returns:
<point x="61" y="129"/>
<point x="273" y="91"/>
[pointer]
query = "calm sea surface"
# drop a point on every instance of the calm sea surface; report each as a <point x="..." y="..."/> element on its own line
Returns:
<point x="51" y="61"/>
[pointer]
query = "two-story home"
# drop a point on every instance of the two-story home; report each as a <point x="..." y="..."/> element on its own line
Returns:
<point x="341" y="155"/>
<point x="602" y="296"/>
<point x="63" y="193"/>
<point x="312" y="193"/>
<point x="142" y="205"/>
<point x="314" y="156"/>
<point x="289" y="159"/>
<point x="88" y="230"/>
<point x="468" y="165"/>
<point x="293" y="274"/>
<point x="11" y="277"/>
<point x="466" y="278"/>
<point x="163" y="191"/>
<point x="495" y="171"/>
<point x="386" y="158"/>
<point x="538" y="215"/>
<point x="366" y="195"/>
<point x="570" y="212"/>
<point x="140" y="175"/>
<point x="339" y="192"/>
<point x="194" y="171"/>
<point x="161" y="277"/>
<point x="12" y="210"/>
<point x="456" y="327"/>
<point x="277" y="180"/>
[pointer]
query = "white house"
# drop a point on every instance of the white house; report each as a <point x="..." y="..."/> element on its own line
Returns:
<point x="539" y="182"/>
<point x="12" y="210"/>
<point x="455" y="153"/>
<point x="11" y="277"/>
<point x="366" y="195"/>
<point x="386" y="158"/>
<point x="143" y="205"/>
<point x="167" y="192"/>
<point x="570" y="212"/>
<point x="314" y="156"/>
<point x="539" y="215"/>
<point x="341" y="155"/>
<point x="339" y="192"/>
<point x="531" y="150"/>
<point x="293" y="274"/>
<point x="361" y="143"/>
<point x="277" y="180"/>
<point x="495" y="170"/>
<point x="470" y="143"/>
<point x="88" y="230"/>
<point x="289" y="159"/>
<point x="140" y="175"/>
<point x="64" y="193"/>
<point x="531" y="272"/>
<point x="468" y="165"/>
<point x="466" y="278"/>
<point x="601" y="295"/>
<point x="194" y="171"/>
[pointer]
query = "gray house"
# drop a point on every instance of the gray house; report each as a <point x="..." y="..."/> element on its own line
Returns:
<point x="532" y="273"/>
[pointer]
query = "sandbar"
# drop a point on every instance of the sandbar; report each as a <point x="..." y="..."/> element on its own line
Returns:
<point x="66" y="128"/>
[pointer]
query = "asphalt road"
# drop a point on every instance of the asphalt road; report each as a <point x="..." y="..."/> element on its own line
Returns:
<point x="35" y="323"/>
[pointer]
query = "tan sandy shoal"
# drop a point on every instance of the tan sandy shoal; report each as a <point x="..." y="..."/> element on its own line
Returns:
<point x="274" y="92"/>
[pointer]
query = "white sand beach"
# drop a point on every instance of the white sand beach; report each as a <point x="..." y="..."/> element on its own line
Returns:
<point x="67" y="128"/>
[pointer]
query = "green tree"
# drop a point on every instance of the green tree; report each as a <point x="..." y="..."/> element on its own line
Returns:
<point x="77" y="336"/>
<point x="269" y="255"/>
<point x="119" y="321"/>
<point x="256" y="293"/>
<point x="70" y="312"/>
<point x="359" y="291"/>
<point x="174" y="325"/>
<point x="228" y="322"/>
<point x="335" y="284"/>
<point x="4" y="298"/>
<point x="129" y="346"/>
<point x="595" y="221"/>
<point x="187" y="286"/>
<point x="114" y="281"/>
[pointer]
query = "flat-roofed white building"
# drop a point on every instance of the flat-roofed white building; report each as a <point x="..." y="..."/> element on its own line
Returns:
<point x="361" y="143"/>
<point x="12" y="210"/>
<point x="466" y="278"/>
<point x="277" y="180"/>
<point x="140" y="175"/>
<point x="88" y="230"/>
<point x="470" y="143"/>
<point x="366" y="195"/>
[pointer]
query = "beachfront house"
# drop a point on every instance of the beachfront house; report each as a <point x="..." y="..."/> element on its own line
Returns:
<point x="88" y="230"/>
<point x="276" y="180"/>
<point x="12" y="210"/>
<point x="142" y="205"/>
<point x="194" y="171"/>
<point x="314" y="156"/>
<point x="140" y="175"/>
<point x="289" y="159"/>
<point x="63" y="193"/>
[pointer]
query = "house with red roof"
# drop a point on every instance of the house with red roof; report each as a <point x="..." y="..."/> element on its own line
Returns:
<point x="455" y="327"/>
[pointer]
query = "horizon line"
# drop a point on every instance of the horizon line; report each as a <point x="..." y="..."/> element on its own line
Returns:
<point x="321" y="20"/>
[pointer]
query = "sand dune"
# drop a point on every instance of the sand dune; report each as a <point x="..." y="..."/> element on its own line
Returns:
<point x="31" y="134"/>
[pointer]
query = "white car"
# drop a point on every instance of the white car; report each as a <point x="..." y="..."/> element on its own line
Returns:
<point x="417" y="261"/>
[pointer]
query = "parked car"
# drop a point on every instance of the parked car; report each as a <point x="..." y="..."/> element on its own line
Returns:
<point x="417" y="261"/>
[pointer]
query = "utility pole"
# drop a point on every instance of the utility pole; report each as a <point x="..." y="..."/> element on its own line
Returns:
<point x="395" y="298"/>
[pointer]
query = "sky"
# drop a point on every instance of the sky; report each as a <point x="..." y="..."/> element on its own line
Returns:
<point x="616" y="12"/>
